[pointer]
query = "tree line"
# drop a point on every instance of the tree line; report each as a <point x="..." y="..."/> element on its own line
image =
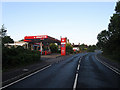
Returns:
<point x="109" y="40"/>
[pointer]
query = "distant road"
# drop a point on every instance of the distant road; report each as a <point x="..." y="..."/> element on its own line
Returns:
<point x="79" y="71"/>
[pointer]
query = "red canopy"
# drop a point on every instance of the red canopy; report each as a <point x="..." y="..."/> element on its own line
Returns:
<point x="41" y="38"/>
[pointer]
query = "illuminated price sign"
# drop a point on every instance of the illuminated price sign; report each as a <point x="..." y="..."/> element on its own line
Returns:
<point x="63" y="46"/>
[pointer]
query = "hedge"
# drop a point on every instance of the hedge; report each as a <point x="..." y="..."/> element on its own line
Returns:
<point x="18" y="56"/>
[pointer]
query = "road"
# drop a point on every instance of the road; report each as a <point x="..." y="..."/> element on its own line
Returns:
<point x="93" y="74"/>
<point x="79" y="71"/>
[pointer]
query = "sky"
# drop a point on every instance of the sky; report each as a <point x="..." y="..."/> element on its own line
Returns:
<point x="80" y="22"/>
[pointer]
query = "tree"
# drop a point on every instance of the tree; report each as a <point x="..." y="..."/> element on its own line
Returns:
<point x="91" y="48"/>
<point x="83" y="47"/>
<point x="109" y="40"/>
<point x="3" y="31"/>
<point x="53" y="48"/>
<point x="117" y="8"/>
<point x="103" y="38"/>
<point x="69" y="48"/>
<point x="7" y="39"/>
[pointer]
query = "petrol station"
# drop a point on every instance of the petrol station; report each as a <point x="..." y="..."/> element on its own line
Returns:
<point x="41" y="43"/>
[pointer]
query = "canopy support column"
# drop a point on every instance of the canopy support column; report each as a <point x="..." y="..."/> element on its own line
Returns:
<point x="41" y="47"/>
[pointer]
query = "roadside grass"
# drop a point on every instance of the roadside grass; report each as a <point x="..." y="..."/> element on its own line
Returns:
<point x="111" y="58"/>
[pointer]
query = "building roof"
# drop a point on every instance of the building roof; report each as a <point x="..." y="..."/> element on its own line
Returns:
<point x="16" y="43"/>
<point x="75" y="45"/>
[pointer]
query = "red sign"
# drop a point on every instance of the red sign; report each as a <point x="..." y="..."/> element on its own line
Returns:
<point x="41" y="37"/>
<point x="63" y="46"/>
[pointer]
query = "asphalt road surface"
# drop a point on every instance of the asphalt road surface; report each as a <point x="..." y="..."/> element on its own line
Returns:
<point x="93" y="74"/>
<point x="79" y="71"/>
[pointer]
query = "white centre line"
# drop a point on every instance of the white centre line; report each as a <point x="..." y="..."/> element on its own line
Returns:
<point x="24" y="77"/>
<point x="75" y="82"/>
<point x="76" y="77"/>
<point x="79" y="61"/>
<point x="78" y="67"/>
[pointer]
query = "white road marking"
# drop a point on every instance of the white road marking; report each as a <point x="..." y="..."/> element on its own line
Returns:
<point x="78" y="67"/>
<point x="109" y="66"/>
<point x="75" y="82"/>
<point x="76" y="77"/>
<point x="24" y="77"/>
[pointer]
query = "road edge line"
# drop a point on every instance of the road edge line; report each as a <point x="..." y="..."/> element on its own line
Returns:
<point x="108" y="66"/>
<point x="25" y="77"/>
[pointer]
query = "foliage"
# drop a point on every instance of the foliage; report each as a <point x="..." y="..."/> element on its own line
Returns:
<point x="4" y="38"/>
<point x="83" y="47"/>
<point x="91" y="48"/>
<point x="7" y="39"/>
<point x="69" y="48"/>
<point x="109" y="40"/>
<point x="3" y="31"/>
<point x="12" y="57"/>
<point x="53" y="48"/>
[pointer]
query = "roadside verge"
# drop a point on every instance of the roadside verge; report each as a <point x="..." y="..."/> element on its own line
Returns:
<point x="111" y="65"/>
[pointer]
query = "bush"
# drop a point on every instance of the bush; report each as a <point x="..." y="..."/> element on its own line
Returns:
<point x="69" y="48"/>
<point x="116" y="54"/>
<point x="12" y="57"/>
<point x="53" y="48"/>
